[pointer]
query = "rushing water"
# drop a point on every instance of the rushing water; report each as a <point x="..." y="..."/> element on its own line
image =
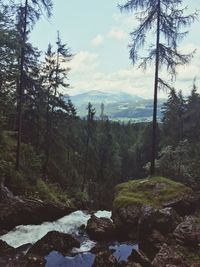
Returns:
<point x="80" y="257"/>
<point x="25" y="234"/>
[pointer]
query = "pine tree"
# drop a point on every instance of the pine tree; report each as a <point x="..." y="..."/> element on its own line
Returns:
<point x="63" y="55"/>
<point x="27" y="16"/>
<point x="167" y="19"/>
<point x="8" y="65"/>
<point x="89" y="136"/>
<point x="55" y="78"/>
<point x="192" y="116"/>
<point x="173" y="118"/>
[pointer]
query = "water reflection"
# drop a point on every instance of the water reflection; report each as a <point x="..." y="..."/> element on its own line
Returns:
<point x="86" y="259"/>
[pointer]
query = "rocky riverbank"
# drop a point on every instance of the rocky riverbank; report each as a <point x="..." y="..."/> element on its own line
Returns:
<point x="161" y="216"/>
<point x="17" y="211"/>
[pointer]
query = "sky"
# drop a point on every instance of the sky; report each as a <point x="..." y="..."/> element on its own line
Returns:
<point x="98" y="35"/>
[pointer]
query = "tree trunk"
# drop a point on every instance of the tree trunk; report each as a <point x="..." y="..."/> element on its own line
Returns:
<point x="48" y="137"/>
<point x="154" y="126"/>
<point x="85" y="162"/>
<point x="21" y="88"/>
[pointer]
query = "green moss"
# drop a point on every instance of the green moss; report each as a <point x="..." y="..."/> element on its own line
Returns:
<point x="152" y="191"/>
<point x="51" y="192"/>
<point x="41" y="189"/>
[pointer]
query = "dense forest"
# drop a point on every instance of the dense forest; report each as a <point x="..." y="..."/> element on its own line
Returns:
<point x="48" y="152"/>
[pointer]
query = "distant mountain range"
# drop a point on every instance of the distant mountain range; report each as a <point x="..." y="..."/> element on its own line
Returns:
<point x="117" y="105"/>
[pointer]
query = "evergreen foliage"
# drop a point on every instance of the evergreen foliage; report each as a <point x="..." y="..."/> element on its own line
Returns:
<point x="65" y="157"/>
<point x="166" y="19"/>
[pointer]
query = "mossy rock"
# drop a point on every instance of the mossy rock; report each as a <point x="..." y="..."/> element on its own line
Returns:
<point x="153" y="191"/>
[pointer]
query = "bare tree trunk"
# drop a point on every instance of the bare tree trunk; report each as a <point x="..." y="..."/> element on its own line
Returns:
<point x="56" y="80"/>
<point x="85" y="163"/>
<point x="48" y="136"/>
<point x="154" y="126"/>
<point x="21" y="88"/>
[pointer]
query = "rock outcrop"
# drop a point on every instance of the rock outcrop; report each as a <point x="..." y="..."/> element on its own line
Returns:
<point x="29" y="211"/>
<point x="5" y="248"/>
<point x="188" y="233"/>
<point x="185" y="205"/>
<point x="54" y="240"/>
<point x="100" y="228"/>
<point x="152" y="212"/>
<point x="105" y="259"/>
<point x="168" y="256"/>
<point x="141" y="207"/>
<point x="126" y="220"/>
<point x="140" y="258"/>
<point x="156" y="227"/>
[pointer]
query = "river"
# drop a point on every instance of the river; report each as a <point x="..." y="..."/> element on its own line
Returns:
<point x="82" y="257"/>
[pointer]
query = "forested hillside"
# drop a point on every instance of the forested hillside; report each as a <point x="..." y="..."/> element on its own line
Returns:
<point x="117" y="106"/>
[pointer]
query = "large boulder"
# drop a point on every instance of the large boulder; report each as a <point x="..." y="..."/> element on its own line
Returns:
<point x="185" y="205"/>
<point x="54" y="240"/>
<point x="100" y="228"/>
<point x="188" y="232"/>
<point x="140" y="258"/>
<point x="155" y="227"/>
<point x="139" y="203"/>
<point x="11" y="257"/>
<point x="168" y="256"/>
<point x="162" y="220"/>
<point x="105" y="259"/>
<point x="177" y="256"/>
<point x="126" y="220"/>
<point x="30" y="261"/>
<point x="15" y="257"/>
<point x="29" y="211"/>
<point x="5" y="248"/>
<point x="157" y="192"/>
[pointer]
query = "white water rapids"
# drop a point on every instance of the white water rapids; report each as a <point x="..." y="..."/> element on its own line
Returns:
<point x="25" y="234"/>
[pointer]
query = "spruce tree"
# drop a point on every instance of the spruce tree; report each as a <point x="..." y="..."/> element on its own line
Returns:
<point x="166" y="19"/>
<point x="192" y="116"/>
<point x="89" y="136"/>
<point x="55" y="77"/>
<point x="173" y="118"/>
<point x="28" y="14"/>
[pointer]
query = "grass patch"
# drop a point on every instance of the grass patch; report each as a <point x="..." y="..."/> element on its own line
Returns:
<point x="40" y="189"/>
<point x="152" y="191"/>
<point x="51" y="192"/>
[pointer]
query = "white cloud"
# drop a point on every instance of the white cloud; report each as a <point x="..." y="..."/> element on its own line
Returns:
<point x="117" y="33"/>
<point x="98" y="40"/>
<point x="86" y="75"/>
<point x="83" y="61"/>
